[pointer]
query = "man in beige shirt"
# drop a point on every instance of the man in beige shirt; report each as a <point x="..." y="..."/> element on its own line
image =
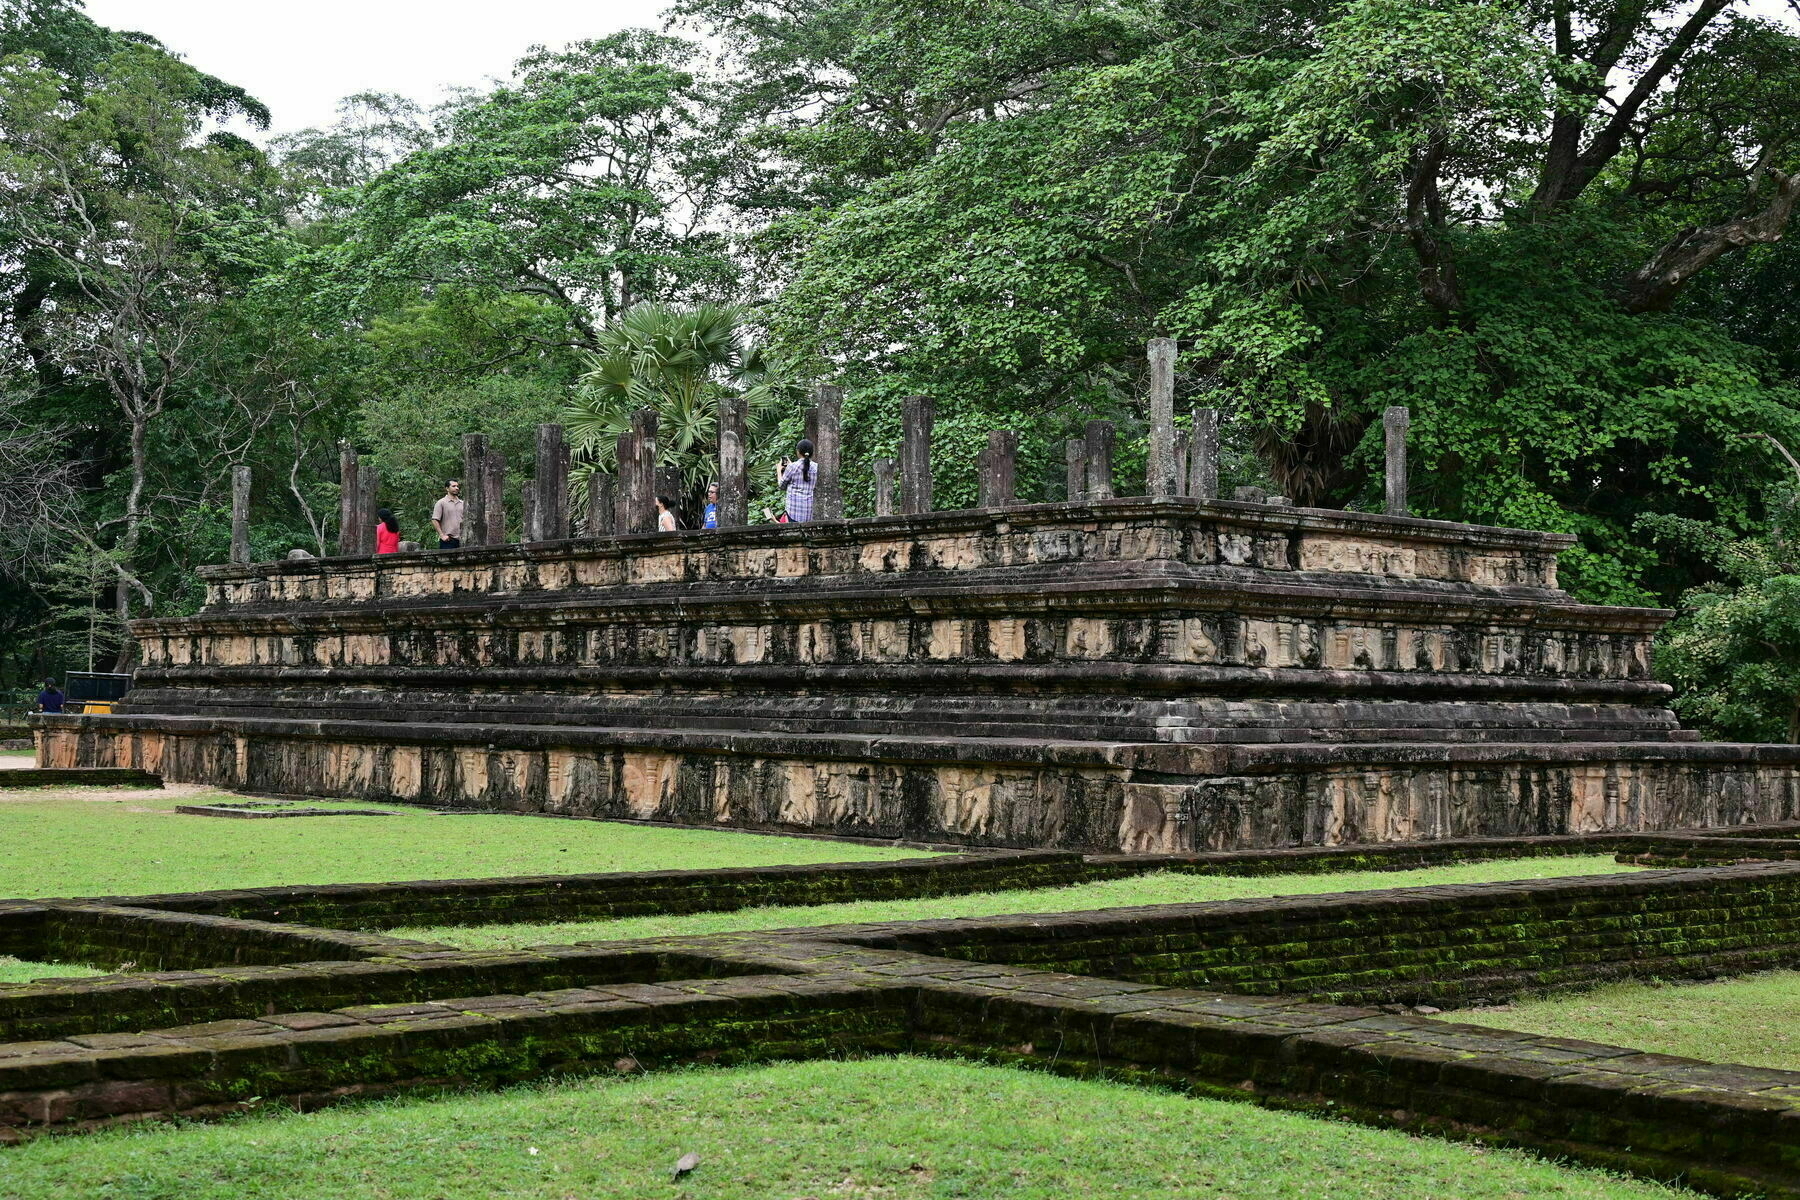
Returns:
<point x="447" y="516"/>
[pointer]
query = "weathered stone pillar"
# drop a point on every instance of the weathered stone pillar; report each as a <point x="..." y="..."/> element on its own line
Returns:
<point x="828" y="417"/>
<point x="474" y="447"/>
<point x="916" y="415"/>
<point x="493" y="497"/>
<point x="626" y="450"/>
<point x="349" y="502"/>
<point x="1395" y="422"/>
<point x="1075" y="459"/>
<point x="1099" y="454"/>
<point x="999" y="469"/>
<point x="643" y="499"/>
<point x="530" y="513"/>
<point x="1160" y="470"/>
<point x="548" y="513"/>
<point x="885" y="469"/>
<point x="1184" y="443"/>
<point x="734" y="464"/>
<point x="1203" y="461"/>
<point x="240" y="514"/>
<point x="601" y="497"/>
<point x="368" y="494"/>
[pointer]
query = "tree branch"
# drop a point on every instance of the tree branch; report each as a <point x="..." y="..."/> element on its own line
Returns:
<point x="1424" y="224"/>
<point x="1654" y="286"/>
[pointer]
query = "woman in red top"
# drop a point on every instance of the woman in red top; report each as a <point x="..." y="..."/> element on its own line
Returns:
<point x="387" y="533"/>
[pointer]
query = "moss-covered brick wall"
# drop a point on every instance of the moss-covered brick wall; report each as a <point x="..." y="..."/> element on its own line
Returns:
<point x="1444" y="945"/>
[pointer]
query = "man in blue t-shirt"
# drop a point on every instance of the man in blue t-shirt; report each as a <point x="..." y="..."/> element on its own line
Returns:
<point x="50" y="700"/>
<point x="710" y="514"/>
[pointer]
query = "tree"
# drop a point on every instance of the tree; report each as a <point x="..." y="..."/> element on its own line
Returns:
<point x="1733" y="651"/>
<point x="1505" y="217"/>
<point x="680" y="363"/>
<point x="585" y="185"/>
<point x="129" y="224"/>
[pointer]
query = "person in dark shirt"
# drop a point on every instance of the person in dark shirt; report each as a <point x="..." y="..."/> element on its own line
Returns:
<point x="50" y="700"/>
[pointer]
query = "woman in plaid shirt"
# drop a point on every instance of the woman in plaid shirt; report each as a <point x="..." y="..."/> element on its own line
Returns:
<point x="799" y="478"/>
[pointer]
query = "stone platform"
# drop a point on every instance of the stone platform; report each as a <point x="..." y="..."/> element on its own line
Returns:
<point x="1130" y="675"/>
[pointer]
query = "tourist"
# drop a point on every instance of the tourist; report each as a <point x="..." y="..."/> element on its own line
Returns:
<point x="447" y="516"/>
<point x="799" y="477"/>
<point x="665" y="515"/>
<point x="774" y="517"/>
<point x="50" y="700"/>
<point x="709" y="518"/>
<point x="387" y="533"/>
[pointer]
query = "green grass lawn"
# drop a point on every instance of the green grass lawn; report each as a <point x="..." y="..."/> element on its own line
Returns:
<point x="131" y="842"/>
<point x="1754" y="1019"/>
<point x="18" y="970"/>
<point x="1160" y="888"/>
<point x="895" y="1128"/>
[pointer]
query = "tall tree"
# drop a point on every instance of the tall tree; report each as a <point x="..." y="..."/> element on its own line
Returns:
<point x="128" y="221"/>
<point x="1460" y="205"/>
<point x="584" y="185"/>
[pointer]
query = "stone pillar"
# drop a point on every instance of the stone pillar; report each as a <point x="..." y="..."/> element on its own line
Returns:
<point x="349" y="503"/>
<point x="884" y="486"/>
<point x="1099" y="454"/>
<point x="493" y="497"/>
<point x="565" y="516"/>
<point x="1395" y="422"/>
<point x="547" y="515"/>
<point x="368" y="497"/>
<point x="828" y="412"/>
<point x="916" y="415"/>
<point x="643" y="499"/>
<point x="530" y="513"/>
<point x="1075" y="458"/>
<point x="1184" y="443"/>
<point x="626" y="450"/>
<point x="240" y="514"/>
<point x="1161" y="468"/>
<point x="601" y="497"/>
<point x="999" y="469"/>
<point x="734" y="464"/>
<point x="1203" y="462"/>
<point x="474" y="447"/>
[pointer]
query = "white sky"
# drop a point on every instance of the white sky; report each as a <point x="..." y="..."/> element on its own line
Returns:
<point x="302" y="58"/>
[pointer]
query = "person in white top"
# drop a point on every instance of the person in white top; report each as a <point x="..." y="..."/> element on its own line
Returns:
<point x="447" y="516"/>
<point x="665" y="515"/>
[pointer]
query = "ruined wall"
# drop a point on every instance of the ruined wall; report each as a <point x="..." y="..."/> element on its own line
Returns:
<point x="1062" y="797"/>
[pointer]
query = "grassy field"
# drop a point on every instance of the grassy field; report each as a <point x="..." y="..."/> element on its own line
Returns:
<point x="120" y="842"/>
<point x="894" y="1128"/>
<point x="1161" y="888"/>
<point x="1754" y="1019"/>
<point x="15" y="970"/>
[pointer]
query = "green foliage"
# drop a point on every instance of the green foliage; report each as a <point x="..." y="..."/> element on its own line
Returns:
<point x="681" y="364"/>
<point x="1337" y="207"/>
<point x="1733" y="652"/>
<point x="557" y="186"/>
<point x="414" y="436"/>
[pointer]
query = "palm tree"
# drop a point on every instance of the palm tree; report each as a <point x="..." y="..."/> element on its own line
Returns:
<point x="681" y="363"/>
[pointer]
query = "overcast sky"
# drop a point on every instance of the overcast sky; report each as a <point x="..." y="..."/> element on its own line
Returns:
<point x="300" y="59"/>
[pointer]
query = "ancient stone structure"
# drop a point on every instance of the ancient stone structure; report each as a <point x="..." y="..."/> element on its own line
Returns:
<point x="1135" y="675"/>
